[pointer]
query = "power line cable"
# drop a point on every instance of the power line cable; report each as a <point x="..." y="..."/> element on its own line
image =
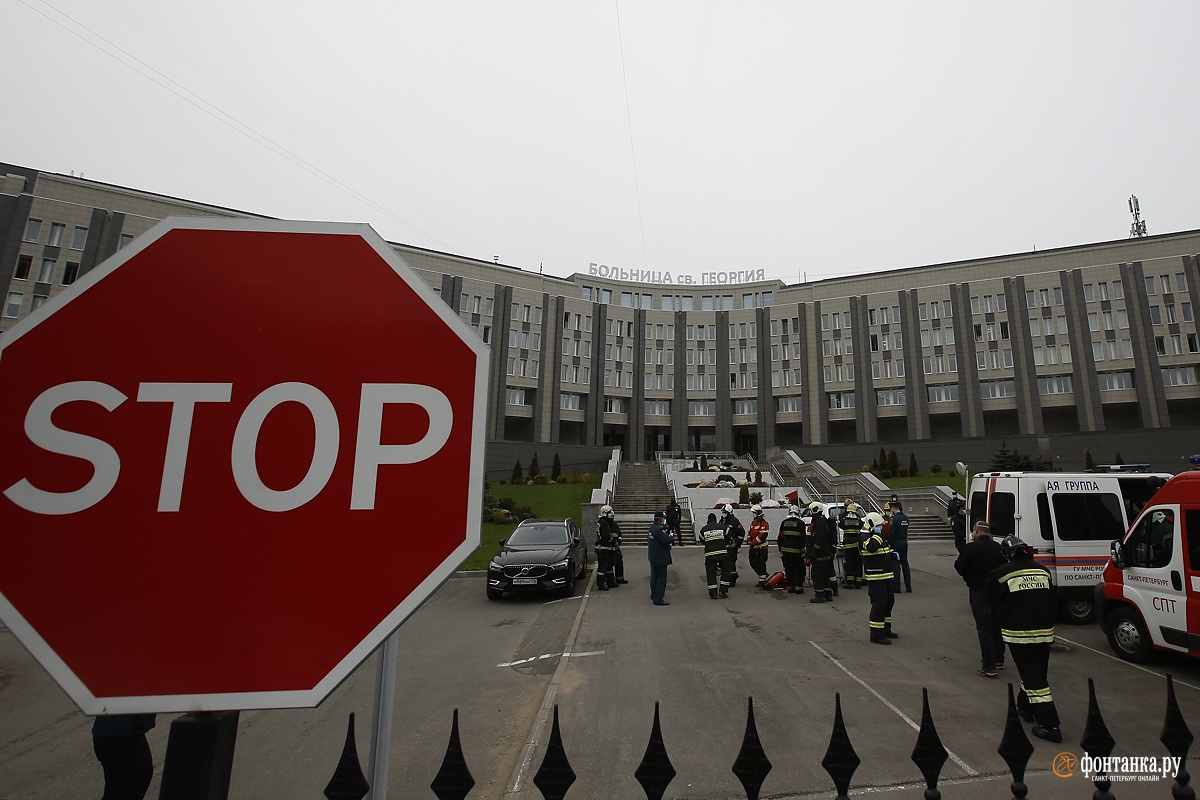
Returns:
<point x="216" y="113"/>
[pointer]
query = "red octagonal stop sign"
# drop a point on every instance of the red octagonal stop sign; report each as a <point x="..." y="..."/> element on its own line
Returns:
<point x="233" y="458"/>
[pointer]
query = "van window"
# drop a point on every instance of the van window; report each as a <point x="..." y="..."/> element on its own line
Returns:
<point x="1191" y="537"/>
<point x="1153" y="541"/>
<point x="1044" y="520"/>
<point x="1082" y="516"/>
<point x="999" y="516"/>
<point x="1137" y="492"/>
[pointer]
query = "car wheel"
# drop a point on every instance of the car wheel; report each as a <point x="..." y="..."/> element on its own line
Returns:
<point x="494" y="594"/>
<point x="1127" y="635"/>
<point x="1076" y="612"/>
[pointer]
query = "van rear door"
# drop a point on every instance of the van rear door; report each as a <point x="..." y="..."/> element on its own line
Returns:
<point x="1086" y="516"/>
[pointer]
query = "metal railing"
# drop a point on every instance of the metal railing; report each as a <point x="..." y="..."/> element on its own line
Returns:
<point x="555" y="777"/>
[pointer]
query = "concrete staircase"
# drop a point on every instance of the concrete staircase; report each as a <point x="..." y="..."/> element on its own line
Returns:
<point x="928" y="526"/>
<point x="642" y="490"/>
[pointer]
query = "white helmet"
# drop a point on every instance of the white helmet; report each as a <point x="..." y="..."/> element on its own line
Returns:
<point x="816" y="508"/>
<point x="793" y="511"/>
<point x="728" y="509"/>
<point x="756" y="509"/>
<point x="850" y="506"/>
<point x="605" y="511"/>
<point x="872" y="521"/>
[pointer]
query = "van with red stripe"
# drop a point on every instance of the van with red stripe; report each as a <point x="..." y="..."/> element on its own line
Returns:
<point x="1150" y="597"/>
<point x="1070" y="519"/>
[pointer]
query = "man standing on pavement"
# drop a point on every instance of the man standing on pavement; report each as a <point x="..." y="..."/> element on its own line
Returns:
<point x="791" y="550"/>
<point x="1023" y="597"/>
<point x="821" y="542"/>
<point x="760" y="531"/>
<point x="898" y="541"/>
<point x="674" y="515"/>
<point x="605" y="546"/>
<point x="716" y="558"/>
<point x="975" y="563"/>
<point x="952" y="507"/>
<point x="958" y="524"/>
<point x="877" y="569"/>
<point x="658" y="550"/>
<point x="735" y="534"/>
<point x="851" y="525"/>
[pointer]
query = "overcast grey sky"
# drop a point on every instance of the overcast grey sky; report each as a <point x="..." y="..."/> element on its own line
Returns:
<point x="797" y="137"/>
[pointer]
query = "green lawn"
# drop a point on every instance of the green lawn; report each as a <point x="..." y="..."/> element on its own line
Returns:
<point x="554" y="500"/>
<point x="927" y="479"/>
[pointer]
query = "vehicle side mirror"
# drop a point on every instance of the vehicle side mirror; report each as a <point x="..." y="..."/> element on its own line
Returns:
<point x="1118" y="554"/>
<point x="502" y="541"/>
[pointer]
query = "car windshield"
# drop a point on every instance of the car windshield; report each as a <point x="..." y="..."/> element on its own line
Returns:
<point x="538" y="536"/>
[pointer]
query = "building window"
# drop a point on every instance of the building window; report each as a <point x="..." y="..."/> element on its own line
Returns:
<point x="57" y="230"/>
<point x="569" y="401"/>
<point x="24" y="265"/>
<point x="1114" y="381"/>
<point x="12" y="306"/>
<point x="515" y="397"/>
<point x="126" y="238"/>
<point x="947" y="393"/>
<point x="46" y="275"/>
<point x="33" y="230"/>
<point x="1055" y="384"/>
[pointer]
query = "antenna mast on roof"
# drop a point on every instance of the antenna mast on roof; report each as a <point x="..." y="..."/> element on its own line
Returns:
<point x="1138" y="228"/>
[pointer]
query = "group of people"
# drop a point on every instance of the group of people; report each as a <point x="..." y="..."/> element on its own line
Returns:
<point x="870" y="544"/>
<point x="1011" y="597"/>
<point x="1013" y="602"/>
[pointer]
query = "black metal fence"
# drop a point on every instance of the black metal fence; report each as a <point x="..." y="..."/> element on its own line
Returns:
<point x="555" y="777"/>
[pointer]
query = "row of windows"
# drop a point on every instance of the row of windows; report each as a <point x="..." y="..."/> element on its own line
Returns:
<point x="47" y="271"/>
<point x="1049" y="385"/>
<point x="58" y="231"/>
<point x="678" y="302"/>
<point x="1160" y="344"/>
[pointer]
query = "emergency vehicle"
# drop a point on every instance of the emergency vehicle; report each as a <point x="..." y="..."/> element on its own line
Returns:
<point x="1150" y="597"/>
<point x="1070" y="519"/>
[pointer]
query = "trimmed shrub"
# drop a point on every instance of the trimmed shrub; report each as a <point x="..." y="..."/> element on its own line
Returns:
<point x="884" y="474"/>
<point x="893" y="462"/>
<point x="903" y="472"/>
<point x="499" y="516"/>
<point x="541" y="479"/>
<point x="935" y="468"/>
<point x="518" y="476"/>
<point x="1089" y="462"/>
<point x="563" y="479"/>
<point x="744" y="496"/>
<point x="556" y="468"/>
<point x="534" y="469"/>
<point x="585" y="477"/>
<point x="703" y="462"/>
<point x="756" y="497"/>
<point x="912" y="465"/>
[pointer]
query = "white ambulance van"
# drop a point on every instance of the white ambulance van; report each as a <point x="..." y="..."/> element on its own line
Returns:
<point x="1070" y="519"/>
<point x="1150" y="597"/>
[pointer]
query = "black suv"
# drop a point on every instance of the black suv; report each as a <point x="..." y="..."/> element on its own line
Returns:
<point x="541" y="555"/>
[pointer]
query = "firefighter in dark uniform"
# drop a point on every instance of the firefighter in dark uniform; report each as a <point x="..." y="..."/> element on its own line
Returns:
<point x="851" y="525"/>
<point x="791" y="550"/>
<point x="821" y="542"/>
<point x="1023" y="599"/>
<point x="735" y="534"/>
<point x="877" y="569"/>
<point x="757" y="540"/>
<point x="716" y="557"/>
<point x="618" y="559"/>
<point x="605" y="547"/>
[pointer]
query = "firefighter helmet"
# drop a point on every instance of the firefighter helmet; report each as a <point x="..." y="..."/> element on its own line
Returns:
<point x="605" y="510"/>
<point x="1014" y="547"/>
<point x="872" y="521"/>
<point x="728" y="509"/>
<point x="756" y="509"/>
<point x="815" y="508"/>
<point x="793" y="511"/>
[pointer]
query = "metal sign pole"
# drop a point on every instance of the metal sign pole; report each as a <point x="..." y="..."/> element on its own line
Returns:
<point x="381" y="723"/>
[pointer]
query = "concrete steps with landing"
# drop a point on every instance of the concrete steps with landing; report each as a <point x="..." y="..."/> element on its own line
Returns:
<point x="642" y="490"/>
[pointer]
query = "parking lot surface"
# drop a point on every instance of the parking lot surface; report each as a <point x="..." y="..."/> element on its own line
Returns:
<point x="605" y="658"/>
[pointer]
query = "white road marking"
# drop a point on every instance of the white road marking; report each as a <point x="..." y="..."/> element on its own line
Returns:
<point x="1126" y="663"/>
<point x="551" y="655"/>
<point x="916" y="726"/>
